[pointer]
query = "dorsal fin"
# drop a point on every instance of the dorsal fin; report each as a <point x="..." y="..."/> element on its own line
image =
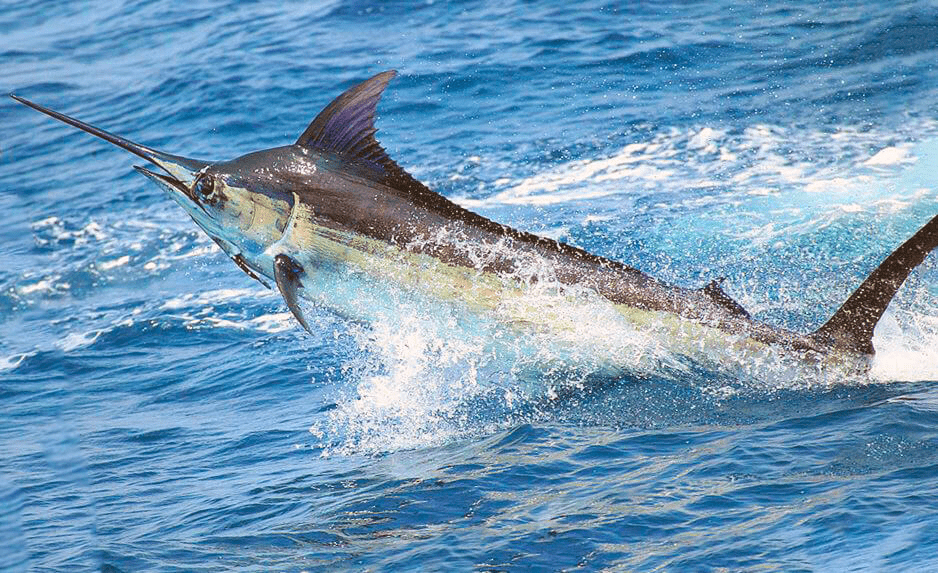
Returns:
<point x="851" y="327"/>
<point x="346" y="127"/>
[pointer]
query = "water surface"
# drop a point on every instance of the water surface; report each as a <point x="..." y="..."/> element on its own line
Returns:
<point x="163" y="412"/>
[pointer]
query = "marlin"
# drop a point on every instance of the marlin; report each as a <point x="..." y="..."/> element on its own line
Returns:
<point x="333" y="204"/>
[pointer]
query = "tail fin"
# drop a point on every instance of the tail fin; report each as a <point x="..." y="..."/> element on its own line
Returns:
<point x="851" y="327"/>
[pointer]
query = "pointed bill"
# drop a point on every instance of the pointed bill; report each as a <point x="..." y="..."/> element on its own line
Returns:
<point x="171" y="184"/>
<point x="182" y="169"/>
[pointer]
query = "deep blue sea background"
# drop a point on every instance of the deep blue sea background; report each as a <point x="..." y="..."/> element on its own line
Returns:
<point x="160" y="411"/>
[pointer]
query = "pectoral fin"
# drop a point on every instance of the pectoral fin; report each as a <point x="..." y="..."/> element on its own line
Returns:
<point x="287" y="272"/>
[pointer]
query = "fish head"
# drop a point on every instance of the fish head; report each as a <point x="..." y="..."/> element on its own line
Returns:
<point x="222" y="209"/>
<point x="246" y="201"/>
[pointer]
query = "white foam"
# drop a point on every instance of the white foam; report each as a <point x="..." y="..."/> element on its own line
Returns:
<point x="890" y="156"/>
<point x="57" y="231"/>
<point x="114" y="263"/>
<point x="47" y="222"/>
<point x="906" y="345"/>
<point x="273" y="323"/>
<point x="268" y="323"/>
<point x="45" y="285"/>
<point x="758" y="160"/>
<point x="410" y="382"/>
<point x="596" y="218"/>
<point x="837" y="184"/>
<point x="12" y="362"/>
<point x="210" y="297"/>
<point x="77" y="340"/>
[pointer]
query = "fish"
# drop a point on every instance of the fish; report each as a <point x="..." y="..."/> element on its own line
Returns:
<point x="332" y="208"/>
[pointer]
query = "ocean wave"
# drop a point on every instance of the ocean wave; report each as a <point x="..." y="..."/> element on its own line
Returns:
<point x="729" y="164"/>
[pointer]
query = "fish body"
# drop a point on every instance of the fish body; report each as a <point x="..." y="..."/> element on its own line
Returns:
<point x="331" y="218"/>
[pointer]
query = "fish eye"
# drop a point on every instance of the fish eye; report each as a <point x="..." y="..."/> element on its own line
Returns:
<point x="204" y="186"/>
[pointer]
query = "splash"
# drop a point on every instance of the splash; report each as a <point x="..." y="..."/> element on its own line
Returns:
<point x="906" y="347"/>
<point x="421" y="379"/>
<point x="429" y="371"/>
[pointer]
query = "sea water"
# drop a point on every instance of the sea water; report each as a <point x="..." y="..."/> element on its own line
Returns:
<point x="161" y="411"/>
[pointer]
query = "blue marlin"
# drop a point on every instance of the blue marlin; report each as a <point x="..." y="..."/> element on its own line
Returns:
<point x="332" y="204"/>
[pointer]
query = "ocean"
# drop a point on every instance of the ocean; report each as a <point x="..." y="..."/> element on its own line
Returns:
<point x="161" y="411"/>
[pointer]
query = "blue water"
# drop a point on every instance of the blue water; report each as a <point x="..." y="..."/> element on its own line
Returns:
<point x="160" y="411"/>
